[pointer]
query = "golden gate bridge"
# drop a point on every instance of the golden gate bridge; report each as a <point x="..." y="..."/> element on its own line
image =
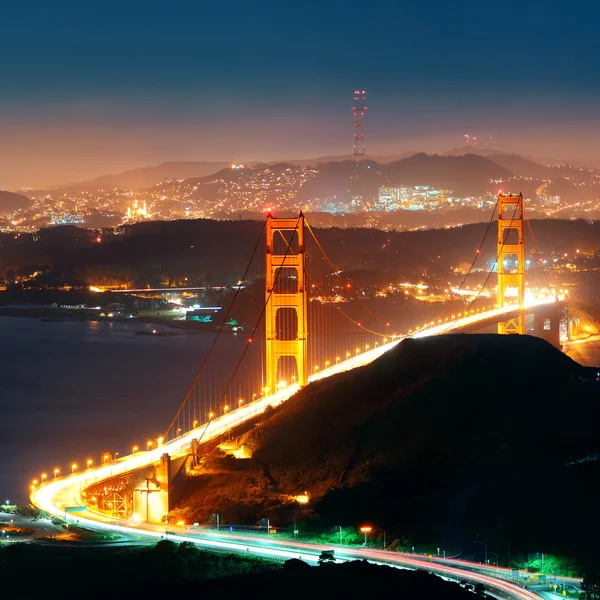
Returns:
<point x="310" y="322"/>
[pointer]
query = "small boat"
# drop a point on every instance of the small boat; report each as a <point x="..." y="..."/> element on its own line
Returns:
<point x="160" y="333"/>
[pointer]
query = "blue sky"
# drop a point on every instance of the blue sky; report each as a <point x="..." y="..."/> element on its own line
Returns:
<point x="96" y="85"/>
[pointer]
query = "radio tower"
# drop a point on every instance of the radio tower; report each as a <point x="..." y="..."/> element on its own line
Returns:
<point x="359" y="109"/>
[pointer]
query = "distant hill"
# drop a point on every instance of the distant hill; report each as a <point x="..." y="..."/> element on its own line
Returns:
<point x="146" y="177"/>
<point x="468" y="174"/>
<point x="430" y="441"/>
<point x="462" y="150"/>
<point x="9" y="201"/>
<point x="522" y="166"/>
<point x="379" y="158"/>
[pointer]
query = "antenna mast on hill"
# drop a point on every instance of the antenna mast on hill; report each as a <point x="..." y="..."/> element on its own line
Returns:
<point x="359" y="109"/>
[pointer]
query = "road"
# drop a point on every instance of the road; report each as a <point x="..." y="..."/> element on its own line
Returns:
<point x="57" y="494"/>
<point x="65" y="493"/>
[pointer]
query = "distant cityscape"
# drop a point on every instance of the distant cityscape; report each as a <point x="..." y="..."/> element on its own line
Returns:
<point x="376" y="195"/>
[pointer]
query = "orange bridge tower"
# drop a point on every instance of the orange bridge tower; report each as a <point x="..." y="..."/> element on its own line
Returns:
<point x="511" y="259"/>
<point x="285" y="253"/>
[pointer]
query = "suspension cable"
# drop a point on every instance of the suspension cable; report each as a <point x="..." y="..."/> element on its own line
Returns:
<point x="491" y="269"/>
<point x="353" y="321"/>
<point x="225" y="319"/>
<point x="347" y="285"/>
<point x="262" y="312"/>
<point x="477" y="254"/>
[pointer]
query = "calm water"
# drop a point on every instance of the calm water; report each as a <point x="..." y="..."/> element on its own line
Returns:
<point x="72" y="390"/>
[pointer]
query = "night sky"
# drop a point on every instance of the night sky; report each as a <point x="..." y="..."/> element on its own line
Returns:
<point x="94" y="86"/>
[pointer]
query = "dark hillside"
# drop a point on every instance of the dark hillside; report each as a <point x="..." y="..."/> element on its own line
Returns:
<point x="10" y="201"/>
<point x="412" y="440"/>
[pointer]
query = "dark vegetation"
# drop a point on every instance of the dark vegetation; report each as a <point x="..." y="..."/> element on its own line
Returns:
<point x="169" y="569"/>
<point x="217" y="252"/>
<point x="439" y="441"/>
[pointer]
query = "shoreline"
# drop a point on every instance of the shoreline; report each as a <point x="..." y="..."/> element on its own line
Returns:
<point x="49" y="314"/>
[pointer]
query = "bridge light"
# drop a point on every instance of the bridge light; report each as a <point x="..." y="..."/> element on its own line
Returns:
<point x="316" y="368"/>
<point x="73" y="467"/>
<point x="35" y="482"/>
<point x="56" y="472"/>
<point x="357" y="351"/>
<point x="337" y="359"/>
<point x="240" y="401"/>
<point x="211" y="415"/>
<point x="148" y="445"/>
<point x="195" y="424"/>
<point x="326" y="363"/>
<point x="135" y="448"/>
<point x="89" y="463"/>
<point x="105" y="458"/>
<point x="367" y="347"/>
<point x="385" y="339"/>
<point x="225" y="408"/>
<point x="44" y="477"/>
<point x="347" y="354"/>
<point x="160" y="440"/>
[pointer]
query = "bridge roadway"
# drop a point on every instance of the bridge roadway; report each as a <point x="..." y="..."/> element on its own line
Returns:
<point x="62" y="492"/>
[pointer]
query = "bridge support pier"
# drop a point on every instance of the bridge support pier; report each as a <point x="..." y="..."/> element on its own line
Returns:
<point x="151" y="500"/>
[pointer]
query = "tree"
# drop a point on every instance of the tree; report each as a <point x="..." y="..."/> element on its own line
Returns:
<point x="591" y="585"/>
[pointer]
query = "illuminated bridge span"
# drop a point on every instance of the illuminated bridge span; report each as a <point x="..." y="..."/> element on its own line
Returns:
<point x="308" y="321"/>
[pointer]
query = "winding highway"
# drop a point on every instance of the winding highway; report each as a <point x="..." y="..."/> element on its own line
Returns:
<point x="60" y="493"/>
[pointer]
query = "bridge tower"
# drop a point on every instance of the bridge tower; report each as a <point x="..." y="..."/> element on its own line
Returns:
<point x="511" y="258"/>
<point x="292" y="258"/>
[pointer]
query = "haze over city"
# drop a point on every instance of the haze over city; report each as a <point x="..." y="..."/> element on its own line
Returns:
<point x="299" y="299"/>
<point x="91" y="89"/>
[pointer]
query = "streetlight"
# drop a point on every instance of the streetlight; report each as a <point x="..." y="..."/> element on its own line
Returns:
<point x="240" y="401"/>
<point x="485" y="548"/>
<point x="44" y="477"/>
<point x="195" y="423"/>
<point x="365" y="529"/>
<point x="340" y="528"/>
<point x="56" y="472"/>
<point x="73" y="467"/>
<point x="148" y="445"/>
<point x="134" y="449"/>
<point x="493" y="554"/>
<point x="225" y="409"/>
<point x="89" y="463"/>
<point x="105" y="458"/>
<point x="268" y="525"/>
